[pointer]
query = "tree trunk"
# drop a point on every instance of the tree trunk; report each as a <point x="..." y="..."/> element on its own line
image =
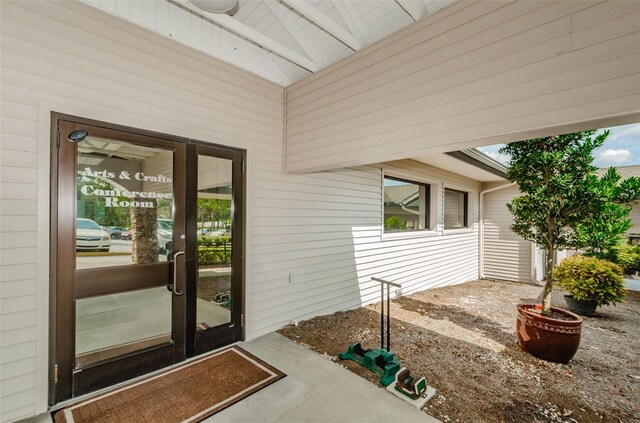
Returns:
<point x="548" y="287"/>
<point x="144" y="226"/>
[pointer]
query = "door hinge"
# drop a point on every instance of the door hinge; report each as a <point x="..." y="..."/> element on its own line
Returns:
<point x="243" y="167"/>
<point x="55" y="373"/>
<point x="242" y="319"/>
<point x="58" y="139"/>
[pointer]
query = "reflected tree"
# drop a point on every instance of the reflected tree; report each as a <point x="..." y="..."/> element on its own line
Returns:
<point x="214" y="210"/>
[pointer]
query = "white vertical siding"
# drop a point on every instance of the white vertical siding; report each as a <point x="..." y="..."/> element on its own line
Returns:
<point x="563" y="254"/>
<point x="539" y="264"/>
<point x="506" y="255"/>
<point x="474" y="73"/>
<point x="313" y="240"/>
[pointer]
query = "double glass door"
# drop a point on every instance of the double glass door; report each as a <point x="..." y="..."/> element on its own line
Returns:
<point x="146" y="253"/>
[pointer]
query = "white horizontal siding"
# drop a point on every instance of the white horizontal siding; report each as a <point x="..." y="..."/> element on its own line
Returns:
<point x="186" y="27"/>
<point x="324" y="261"/>
<point x="474" y="73"/>
<point x="324" y="228"/>
<point x="506" y="255"/>
<point x="18" y="239"/>
<point x="17" y="405"/>
<point x="71" y="58"/>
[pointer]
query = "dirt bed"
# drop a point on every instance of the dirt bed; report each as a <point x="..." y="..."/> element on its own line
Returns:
<point x="462" y="338"/>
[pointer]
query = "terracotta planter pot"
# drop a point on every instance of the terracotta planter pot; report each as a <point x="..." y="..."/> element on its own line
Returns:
<point x="549" y="339"/>
<point x="581" y="307"/>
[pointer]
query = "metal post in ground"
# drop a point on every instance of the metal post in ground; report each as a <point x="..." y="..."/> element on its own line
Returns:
<point x="389" y="284"/>
<point x="382" y="316"/>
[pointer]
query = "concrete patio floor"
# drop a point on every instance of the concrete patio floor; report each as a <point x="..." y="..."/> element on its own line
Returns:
<point x="315" y="390"/>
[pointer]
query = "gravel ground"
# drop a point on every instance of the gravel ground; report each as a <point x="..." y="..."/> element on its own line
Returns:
<point x="462" y="338"/>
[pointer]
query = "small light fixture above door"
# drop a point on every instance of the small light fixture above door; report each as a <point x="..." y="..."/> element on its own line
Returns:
<point x="78" y="135"/>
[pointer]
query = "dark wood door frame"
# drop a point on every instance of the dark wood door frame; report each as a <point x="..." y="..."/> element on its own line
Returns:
<point x="62" y="304"/>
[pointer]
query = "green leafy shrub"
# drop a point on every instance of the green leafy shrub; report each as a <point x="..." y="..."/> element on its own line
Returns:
<point x="394" y="223"/>
<point x="214" y="250"/>
<point x="627" y="256"/>
<point x="591" y="279"/>
<point x="563" y="203"/>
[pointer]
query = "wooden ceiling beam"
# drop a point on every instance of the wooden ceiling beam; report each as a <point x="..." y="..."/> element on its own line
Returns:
<point x="277" y="11"/>
<point x="344" y="10"/>
<point x="251" y="34"/>
<point x="325" y="23"/>
<point x="414" y="8"/>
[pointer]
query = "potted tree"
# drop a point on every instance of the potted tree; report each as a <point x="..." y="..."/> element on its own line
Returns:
<point x="591" y="282"/>
<point x="560" y="191"/>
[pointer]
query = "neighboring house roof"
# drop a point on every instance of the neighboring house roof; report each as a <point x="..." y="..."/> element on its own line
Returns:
<point x="399" y="194"/>
<point x="624" y="171"/>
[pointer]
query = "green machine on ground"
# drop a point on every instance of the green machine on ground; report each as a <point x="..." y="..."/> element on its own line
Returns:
<point x="382" y="361"/>
<point x="377" y="360"/>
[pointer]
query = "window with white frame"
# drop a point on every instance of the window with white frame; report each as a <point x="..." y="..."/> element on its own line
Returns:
<point x="406" y="205"/>
<point x="456" y="214"/>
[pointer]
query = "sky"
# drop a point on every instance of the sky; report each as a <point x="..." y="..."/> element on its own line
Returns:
<point x="621" y="148"/>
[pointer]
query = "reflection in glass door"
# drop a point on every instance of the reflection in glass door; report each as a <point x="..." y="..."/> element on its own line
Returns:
<point x="216" y="187"/>
<point x="124" y="211"/>
<point x="215" y="246"/>
<point x="124" y="217"/>
<point x="117" y="201"/>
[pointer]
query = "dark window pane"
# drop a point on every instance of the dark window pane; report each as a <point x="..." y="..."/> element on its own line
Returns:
<point x="455" y="209"/>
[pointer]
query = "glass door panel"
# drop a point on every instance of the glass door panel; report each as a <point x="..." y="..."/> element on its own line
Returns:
<point x="214" y="302"/>
<point x="124" y="212"/>
<point x="124" y="217"/>
<point x="108" y="326"/>
<point x="118" y="196"/>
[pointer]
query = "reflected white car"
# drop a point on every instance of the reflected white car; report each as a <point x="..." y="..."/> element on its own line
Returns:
<point x="90" y="236"/>
<point x="221" y="232"/>
<point x="204" y="231"/>
<point x="165" y="235"/>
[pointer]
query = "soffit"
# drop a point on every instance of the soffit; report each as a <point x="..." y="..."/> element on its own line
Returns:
<point x="451" y="164"/>
<point x="281" y="41"/>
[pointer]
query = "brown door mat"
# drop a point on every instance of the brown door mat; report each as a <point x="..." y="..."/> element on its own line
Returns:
<point x="189" y="393"/>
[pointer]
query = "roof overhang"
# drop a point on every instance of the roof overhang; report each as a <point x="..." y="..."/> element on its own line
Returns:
<point x="470" y="163"/>
<point x="480" y="160"/>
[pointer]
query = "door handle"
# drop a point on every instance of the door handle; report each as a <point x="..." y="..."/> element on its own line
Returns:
<point x="175" y="273"/>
